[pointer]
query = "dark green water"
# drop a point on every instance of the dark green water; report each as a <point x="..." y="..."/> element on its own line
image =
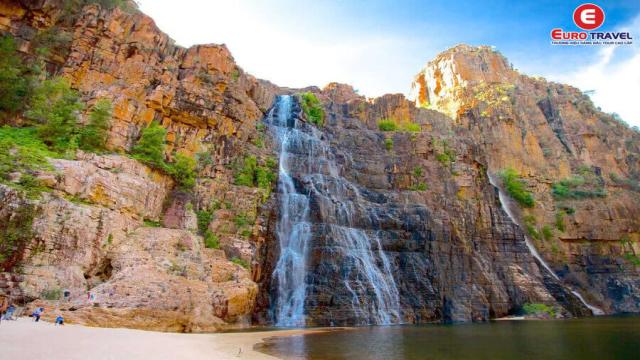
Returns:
<point x="593" y="338"/>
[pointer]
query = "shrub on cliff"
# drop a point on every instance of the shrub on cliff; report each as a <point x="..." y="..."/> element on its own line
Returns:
<point x="251" y="174"/>
<point x="22" y="151"/>
<point x="14" y="82"/>
<point x="16" y="232"/>
<point x="444" y="154"/>
<point x="151" y="146"/>
<point x="150" y="150"/>
<point x="54" y="108"/>
<point x="515" y="187"/>
<point x="388" y="144"/>
<point x="93" y="137"/>
<point x="387" y="125"/>
<point x="211" y="240"/>
<point x="245" y="174"/>
<point x="578" y="187"/>
<point x="539" y="309"/>
<point x="204" y="218"/>
<point x="241" y="262"/>
<point x="412" y="127"/>
<point x="183" y="170"/>
<point x="312" y="108"/>
<point x="390" y="125"/>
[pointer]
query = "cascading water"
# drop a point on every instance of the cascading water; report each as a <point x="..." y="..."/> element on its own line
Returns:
<point x="308" y="173"/>
<point x="292" y="228"/>
<point x="504" y="202"/>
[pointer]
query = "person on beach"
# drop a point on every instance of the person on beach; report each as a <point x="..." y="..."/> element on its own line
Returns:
<point x="4" y="304"/>
<point x="59" y="320"/>
<point x="37" y="313"/>
<point x="8" y="315"/>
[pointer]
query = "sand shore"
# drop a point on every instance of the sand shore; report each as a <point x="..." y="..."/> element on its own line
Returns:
<point x="25" y="339"/>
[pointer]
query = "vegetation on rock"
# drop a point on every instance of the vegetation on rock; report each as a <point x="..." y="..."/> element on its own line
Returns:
<point x="530" y="226"/>
<point x="93" y="137"/>
<point x="560" y="220"/>
<point x="251" y="174"/>
<point x="52" y="294"/>
<point x="183" y="170"/>
<point x="539" y="309"/>
<point x="150" y="150"/>
<point x="211" y="240"/>
<point x="241" y="262"/>
<point x="388" y="144"/>
<point x="15" y="79"/>
<point x="204" y="218"/>
<point x="16" y="232"/>
<point x="578" y="187"/>
<point x="391" y="125"/>
<point x="417" y="184"/>
<point x="151" y="223"/>
<point x="387" y="125"/>
<point x="151" y="146"/>
<point x="23" y="154"/>
<point x="54" y="108"/>
<point x="312" y="108"/>
<point x="515" y="187"/>
<point x="444" y="153"/>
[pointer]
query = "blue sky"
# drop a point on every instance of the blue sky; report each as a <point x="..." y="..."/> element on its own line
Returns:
<point x="377" y="46"/>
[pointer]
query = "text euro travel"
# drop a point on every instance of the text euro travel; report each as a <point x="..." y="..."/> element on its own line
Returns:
<point x="558" y="34"/>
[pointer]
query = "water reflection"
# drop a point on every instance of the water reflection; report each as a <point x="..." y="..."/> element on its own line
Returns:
<point x="584" y="339"/>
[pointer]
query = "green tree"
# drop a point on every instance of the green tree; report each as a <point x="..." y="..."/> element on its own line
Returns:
<point x="14" y="84"/>
<point x="151" y="146"/>
<point x="183" y="170"/>
<point x="312" y="108"/>
<point x="55" y="108"/>
<point x="93" y="137"/>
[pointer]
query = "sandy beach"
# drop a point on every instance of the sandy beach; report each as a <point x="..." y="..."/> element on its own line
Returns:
<point x="25" y="339"/>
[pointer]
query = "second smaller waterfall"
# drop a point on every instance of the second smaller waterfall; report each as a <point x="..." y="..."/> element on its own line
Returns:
<point x="504" y="202"/>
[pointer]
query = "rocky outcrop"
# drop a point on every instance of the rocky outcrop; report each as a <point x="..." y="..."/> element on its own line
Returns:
<point x="548" y="133"/>
<point x="114" y="182"/>
<point x="98" y="264"/>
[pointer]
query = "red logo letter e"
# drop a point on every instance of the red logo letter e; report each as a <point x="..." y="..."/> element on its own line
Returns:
<point x="588" y="16"/>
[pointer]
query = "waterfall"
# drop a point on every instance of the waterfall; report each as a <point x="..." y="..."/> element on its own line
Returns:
<point x="504" y="203"/>
<point x="308" y="173"/>
<point x="292" y="228"/>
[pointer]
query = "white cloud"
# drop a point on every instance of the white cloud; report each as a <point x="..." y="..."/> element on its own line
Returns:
<point x="614" y="75"/>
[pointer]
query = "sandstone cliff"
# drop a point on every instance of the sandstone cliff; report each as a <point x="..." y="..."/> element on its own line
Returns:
<point x="96" y="234"/>
<point x="581" y="165"/>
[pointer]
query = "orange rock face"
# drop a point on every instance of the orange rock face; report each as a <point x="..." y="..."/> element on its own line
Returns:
<point x="210" y="108"/>
<point x="548" y="133"/>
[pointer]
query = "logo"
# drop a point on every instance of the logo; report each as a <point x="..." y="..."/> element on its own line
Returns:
<point x="589" y="17"/>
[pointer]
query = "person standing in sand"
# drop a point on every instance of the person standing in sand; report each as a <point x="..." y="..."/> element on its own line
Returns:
<point x="37" y="313"/>
<point x="4" y="304"/>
